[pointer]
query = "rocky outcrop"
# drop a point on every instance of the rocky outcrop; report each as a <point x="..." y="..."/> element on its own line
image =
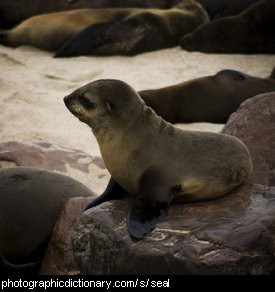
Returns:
<point x="90" y="170"/>
<point x="231" y="235"/>
<point x="59" y="258"/>
<point x="254" y="124"/>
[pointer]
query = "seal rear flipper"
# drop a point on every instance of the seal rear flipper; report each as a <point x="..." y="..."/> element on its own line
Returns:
<point x="113" y="191"/>
<point x="85" y="41"/>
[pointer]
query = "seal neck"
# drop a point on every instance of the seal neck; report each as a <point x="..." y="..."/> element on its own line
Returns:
<point x="136" y="120"/>
<point x="117" y="121"/>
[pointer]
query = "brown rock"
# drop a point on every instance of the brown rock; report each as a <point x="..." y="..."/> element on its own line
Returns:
<point x="48" y="156"/>
<point x="59" y="258"/>
<point x="254" y="124"/>
<point x="231" y="235"/>
<point x="90" y="170"/>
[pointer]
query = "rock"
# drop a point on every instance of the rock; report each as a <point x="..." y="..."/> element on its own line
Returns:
<point x="254" y="124"/>
<point x="231" y="235"/>
<point x="31" y="200"/>
<point x="59" y="258"/>
<point x="90" y="170"/>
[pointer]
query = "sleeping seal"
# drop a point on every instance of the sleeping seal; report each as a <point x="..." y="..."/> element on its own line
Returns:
<point x="249" y="32"/>
<point x="207" y="99"/>
<point x="31" y="199"/>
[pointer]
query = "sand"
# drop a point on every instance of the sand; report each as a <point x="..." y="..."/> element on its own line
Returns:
<point x="33" y="84"/>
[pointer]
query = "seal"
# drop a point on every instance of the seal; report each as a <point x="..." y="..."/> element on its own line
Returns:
<point x="13" y="12"/>
<point x="207" y="99"/>
<point x="152" y="160"/>
<point x="221" y="8"/>
<point x="107" y="31"/>
<point x="31" y="199"/>
<point x="50" y="31"/>
<point x="251" y="31"/>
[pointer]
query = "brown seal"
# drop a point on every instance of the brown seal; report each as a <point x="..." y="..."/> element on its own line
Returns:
<point x="13" y="12"/>
<point x="31" y="199"/>
<point x="107" y="31"/>
<point x="149" y="158"/>
<point x="251" y="31"/>
<point x="207" y="99"/>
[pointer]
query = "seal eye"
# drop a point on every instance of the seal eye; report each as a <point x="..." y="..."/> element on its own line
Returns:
<point x="86" y="102"/>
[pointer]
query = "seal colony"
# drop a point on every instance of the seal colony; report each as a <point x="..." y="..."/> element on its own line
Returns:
<point x="152" y="160"/>
<point x="107" y="31"/>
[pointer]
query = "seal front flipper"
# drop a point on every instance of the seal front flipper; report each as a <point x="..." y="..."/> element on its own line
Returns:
<point x="113" y="191"/>
<point x="135" y="34"/>
<point x="143" y="217"/>
<point x="84" y="42"/>
<point x="151" y="205"/>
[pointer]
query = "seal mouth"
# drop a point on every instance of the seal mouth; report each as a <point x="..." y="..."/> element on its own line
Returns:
<point x="72" y="107"/>
<point x="67" y="101"/>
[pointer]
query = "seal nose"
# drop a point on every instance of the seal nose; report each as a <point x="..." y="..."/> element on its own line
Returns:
<point x="66" y="100"/>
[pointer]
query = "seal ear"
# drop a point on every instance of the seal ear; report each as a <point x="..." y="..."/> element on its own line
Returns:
<point x="109" y="107"/>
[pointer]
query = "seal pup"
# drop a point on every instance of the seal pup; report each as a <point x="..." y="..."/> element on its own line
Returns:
<point x="152" y="160"/>
<point x="252" y="31"/>
<point x="207" y="99"/>
<point x="31" y="199"/>
<point x="107" y="31"/>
